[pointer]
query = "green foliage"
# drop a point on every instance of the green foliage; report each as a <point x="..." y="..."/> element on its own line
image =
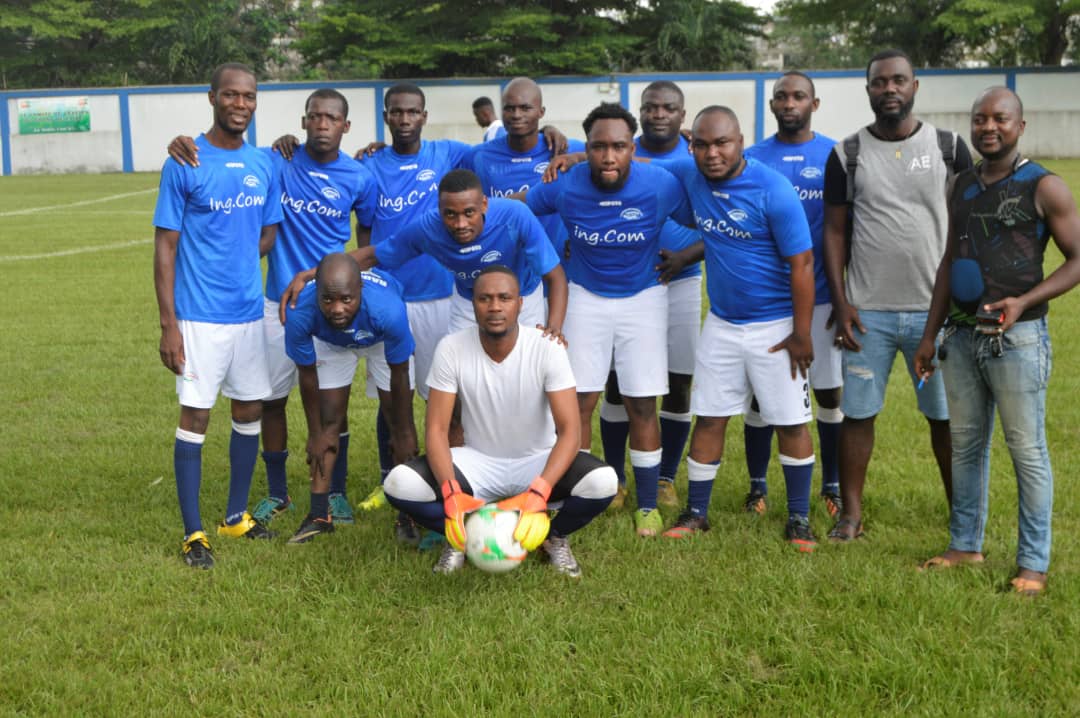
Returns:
<point x="697" y="35"/>
<point x="101" y="618"/>
<point x="1023" y="32"/>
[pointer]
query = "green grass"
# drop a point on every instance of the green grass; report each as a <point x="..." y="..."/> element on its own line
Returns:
<point x="100" y="617"/>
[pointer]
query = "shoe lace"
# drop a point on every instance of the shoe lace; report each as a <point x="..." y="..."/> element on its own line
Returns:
<point x="448" y="558"/>
<point x="558" y="550"/>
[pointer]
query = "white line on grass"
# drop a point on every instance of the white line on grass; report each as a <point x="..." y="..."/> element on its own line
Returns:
<point x="32" y="210"/>
<point x="69" y="252"/>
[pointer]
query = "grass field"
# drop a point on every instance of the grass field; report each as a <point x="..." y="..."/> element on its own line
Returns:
<point x="99" y="616"/>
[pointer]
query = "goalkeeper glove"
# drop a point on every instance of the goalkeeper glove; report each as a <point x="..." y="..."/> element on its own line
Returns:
<point x="456" y="504"/>
<point x="531" y="505"/>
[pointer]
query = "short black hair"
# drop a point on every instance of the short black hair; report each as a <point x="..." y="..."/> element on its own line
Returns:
<point x="713" y="109"/>
<point x="326" y="93"/>
<point x="888" y="55"/>
<point x="665" y="85"/>
<point x="609" y="111"/>
<point x="803" y="75"/>
<point x="483" y="102"/>
<point x="404" y="88"/>
<point x="215" y="79"/>
<point x="459" y="180"/>
<point x="499" y="269"/>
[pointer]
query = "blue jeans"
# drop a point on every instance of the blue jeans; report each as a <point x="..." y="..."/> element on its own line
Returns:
<point x="975" y="381"/>
<point x="866" y="372"/>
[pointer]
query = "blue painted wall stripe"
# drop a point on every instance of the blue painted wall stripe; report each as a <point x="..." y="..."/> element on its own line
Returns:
<point x="759" y="109"/>
<point x="5" y="135"/>
<point x="125" y="133"/>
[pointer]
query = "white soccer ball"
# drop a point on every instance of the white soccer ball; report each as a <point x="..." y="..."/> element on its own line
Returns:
<point x="489" y="539"/>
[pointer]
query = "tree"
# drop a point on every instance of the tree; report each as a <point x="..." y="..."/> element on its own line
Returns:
<point x="697" y="35"/>
<point x="1021" y="32"/>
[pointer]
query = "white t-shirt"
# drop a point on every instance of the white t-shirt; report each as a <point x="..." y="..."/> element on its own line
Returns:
<point x="492" y="130"/>
<point x="504" y="405"/>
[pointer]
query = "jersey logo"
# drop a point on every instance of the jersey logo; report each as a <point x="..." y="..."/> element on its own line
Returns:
<point x="793" y="158"/>
<point x="360" y="335"/>
<point x="540" y="168"/>
<point x="737" y="214"/>
<point x="610" y="203"/>
<point x="631" y="213"/>
<point x="251" y="181"/>
<point x="516" y="160"/>
<point x="319" y="175"/>
<point x="235" y="165"/>
<point x="330" y="193"/>
<point x="492" y="256"/>
<point x="425" y="176"/>
<point x="721" y="195"/>
<point x="810" y="172"/>
<point x="470" y="250"/>
<point x="408" y="167"/>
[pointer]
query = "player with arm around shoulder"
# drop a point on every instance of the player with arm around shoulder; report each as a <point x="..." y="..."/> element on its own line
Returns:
<point x="343" y="315"/>
<point x="520" y="416"/>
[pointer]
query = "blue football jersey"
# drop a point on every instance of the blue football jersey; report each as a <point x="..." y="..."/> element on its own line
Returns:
<point x="674" y="236"/>
<point x="804" y="166"/>
<point x="614" y="234"/>
<point x="317" y="201"/>
<point x="408" y="187"/>
<point x="504" y="171"/>
<point x="219" y="208"/>
<point x="750" y="224"/>
<point x="512" y="236"/>
<point x="382" y="318"/>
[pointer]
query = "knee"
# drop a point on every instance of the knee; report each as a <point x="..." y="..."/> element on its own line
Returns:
<point x="641" y="408"/>
<point x="600" y="483"/>
<point x="404" y="483"/>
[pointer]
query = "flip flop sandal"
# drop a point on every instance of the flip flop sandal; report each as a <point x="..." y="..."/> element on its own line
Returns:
<point x="1028" y="586"/>
<point x="840" y="534"/>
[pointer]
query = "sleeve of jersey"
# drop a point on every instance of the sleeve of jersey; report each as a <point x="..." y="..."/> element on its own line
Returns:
<point x="574" y="146"/>
<point x="835" y="178"/>
<point x="172" y="196"/>
<point x="406" y="244"/>
<point x="443" y="375"/>
<point x="538" y="250"/>
<point x="677" y="203"/>
<point x="460" y="155"/>
<point x="272" y="213"/>
<point x="298" y="344"/>
<point x="398" y="344"/>
<point x="557" y="375"/>
<point x="541" y="198"/>
<point x="787" y="219"/>
<point x="366" y="197"/>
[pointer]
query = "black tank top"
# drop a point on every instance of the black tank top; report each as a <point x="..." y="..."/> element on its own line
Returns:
<point x="998" y="227"/>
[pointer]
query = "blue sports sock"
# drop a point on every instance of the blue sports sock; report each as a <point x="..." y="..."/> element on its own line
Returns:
<point x="187" y="465"/>
<point x="674" y="431"/>
<point x="829" y="447"/>
<point x="646" y="465"/>
<point x="798" y="474"/>
<point x="276" y="478"/>
<point x="577" y="511"/>
<point x="614" y="431"/>
<point x="341" y="466"/>
<point x="243" y="452"/>
<point x="758" y="439"/>
<point x="320" y="505"/>
<point x="382" y="438"/>
<point x="699" y="486"/>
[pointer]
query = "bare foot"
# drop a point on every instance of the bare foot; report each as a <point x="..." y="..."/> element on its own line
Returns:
<point x="1028" y="582"/>
<point x="952" y="558"/>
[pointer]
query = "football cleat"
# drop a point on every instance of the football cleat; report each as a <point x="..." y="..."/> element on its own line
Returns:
<point x="798" y="534"/>
<point x="620" y="499"/>
<point x="375" y="500"/>
<point x="271" y="507"/>
<point x="246" y="527"/>
<point x="197" y="552"/>
<point x="406" y="531"/>
<point x="688" y="525"/>
<point x="833" y="504"/>
<point x="665" y="494"/>
<point x="560" y="557"/>
<point x="755" y="503"/>
<point x="340" y="510"/>
<point x="310" y="528"/>
<point x="648" y="523"/>
<point x="450" y="560"/>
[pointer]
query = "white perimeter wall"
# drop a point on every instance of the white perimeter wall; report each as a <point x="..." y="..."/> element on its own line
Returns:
<point x="1051" y="102"/>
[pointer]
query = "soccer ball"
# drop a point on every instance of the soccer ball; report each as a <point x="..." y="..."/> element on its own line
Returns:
<point x="489" y="539"/>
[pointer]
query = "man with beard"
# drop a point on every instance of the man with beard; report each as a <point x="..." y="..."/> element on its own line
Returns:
<point x="997" y="347"/>
<point x="885" y="190"/>
<point x="613" y="210"/>
<point x="520" y="416"/>
<point x="661" y="116"/>
<point x="800" y="154"/>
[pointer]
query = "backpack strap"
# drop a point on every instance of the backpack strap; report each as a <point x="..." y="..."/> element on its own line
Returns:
<point x="946" y="142"/>
<point x="851" y="163"/>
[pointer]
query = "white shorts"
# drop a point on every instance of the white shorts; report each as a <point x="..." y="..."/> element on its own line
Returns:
<point x="283" y="376"/>
<point x="602" y="332"/>
<point x="684" y="324"/>
<point x="734" y="365"/>
<point x="493" y="478"/>
<point x="429" y="322"/>
<point x="533" y="310"/>
<point x="230" y="358"/>
<point x="827" y="371"/>
<point x="336" y="365"/>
